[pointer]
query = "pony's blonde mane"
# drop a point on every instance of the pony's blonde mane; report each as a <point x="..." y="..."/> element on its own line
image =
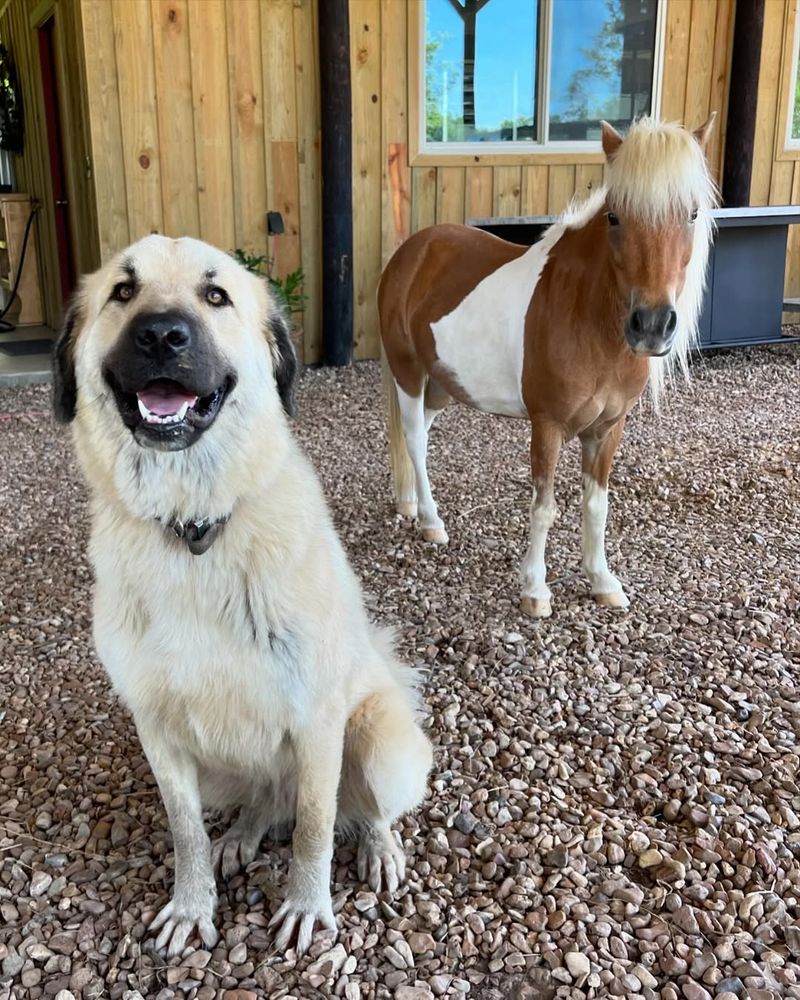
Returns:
<point x="659" y="174"/>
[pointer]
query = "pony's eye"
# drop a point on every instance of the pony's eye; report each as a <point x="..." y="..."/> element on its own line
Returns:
<point x="217" y="296"/>
<point x="693" y="216"/>
<point x="613" y="220"/>
<point x="124" y="291"/>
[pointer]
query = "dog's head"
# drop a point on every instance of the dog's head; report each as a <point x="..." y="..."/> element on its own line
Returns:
<point x="160" y="343"/>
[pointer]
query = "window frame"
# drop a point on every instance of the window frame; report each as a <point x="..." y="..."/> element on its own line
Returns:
<point x="422" y="152"/>
<point x="789" y="148"/>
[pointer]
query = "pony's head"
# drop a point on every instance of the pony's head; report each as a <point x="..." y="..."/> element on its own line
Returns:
<point x="658" y="195"/>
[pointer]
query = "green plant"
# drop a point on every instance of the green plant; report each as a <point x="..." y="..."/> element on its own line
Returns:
<point x="289" y="288"/>
<point x="256" y="264"/>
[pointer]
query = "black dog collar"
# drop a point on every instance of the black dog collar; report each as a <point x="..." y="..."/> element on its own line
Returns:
<point x="199" y="535"/>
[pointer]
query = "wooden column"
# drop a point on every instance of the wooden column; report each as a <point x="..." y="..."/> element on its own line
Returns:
<point x="742" y="102"/>
<point x="337" y="190"/>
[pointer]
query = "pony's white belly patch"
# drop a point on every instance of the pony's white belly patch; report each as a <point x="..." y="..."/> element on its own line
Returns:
<point x="481" y="342"/>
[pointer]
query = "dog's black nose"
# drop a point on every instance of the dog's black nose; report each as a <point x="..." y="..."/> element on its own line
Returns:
<point x="162" y="336"/>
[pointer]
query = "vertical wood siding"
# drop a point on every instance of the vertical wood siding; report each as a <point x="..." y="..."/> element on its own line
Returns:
<point x="368" y="168"/>
<point x="199" y="116"/>
<point x="204" y="116"/>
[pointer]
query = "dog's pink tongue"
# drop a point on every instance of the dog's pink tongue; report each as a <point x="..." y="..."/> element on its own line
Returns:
<point x="165" y="398"/>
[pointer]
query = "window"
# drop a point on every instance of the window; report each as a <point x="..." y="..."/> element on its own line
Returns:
<point x="794" y="134"/>
<point x="536" y="72"/>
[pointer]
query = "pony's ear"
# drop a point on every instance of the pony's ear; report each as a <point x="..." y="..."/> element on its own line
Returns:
<point x="703" y="133"/>
<point x="65" y="387"/>
<point x="612" y="140"/>
<point x="284" y="359"/>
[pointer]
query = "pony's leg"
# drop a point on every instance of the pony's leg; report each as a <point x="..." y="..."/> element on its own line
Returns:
<point x="598" y="454"/>
<point x="403" y="478"/>
<point x="412" y="411"/>
<point x="546" y="441"/>
<point x="436" y="398"/>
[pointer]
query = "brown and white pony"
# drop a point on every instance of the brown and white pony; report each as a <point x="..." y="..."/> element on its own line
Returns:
<point x="566" y="332"/>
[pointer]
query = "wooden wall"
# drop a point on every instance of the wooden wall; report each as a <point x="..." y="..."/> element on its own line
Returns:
<point x="204" y="115"/>
<point x="18" y="30"/>
<point x="199" y="116"/>
<point x="776" y="170"/>
<point x="394" y="196"/>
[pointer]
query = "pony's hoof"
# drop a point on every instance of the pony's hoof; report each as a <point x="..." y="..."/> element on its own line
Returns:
<point x="436" y="535"/>
<point x="536" y="607"/>
<point x="616" y="599"/>
<point x="406" y="508"/>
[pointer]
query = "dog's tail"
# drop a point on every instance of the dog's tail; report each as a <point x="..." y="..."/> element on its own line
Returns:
<point x="403" y="481"/>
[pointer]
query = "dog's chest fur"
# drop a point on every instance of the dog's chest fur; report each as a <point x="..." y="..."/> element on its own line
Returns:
<point x="208" y="647"/>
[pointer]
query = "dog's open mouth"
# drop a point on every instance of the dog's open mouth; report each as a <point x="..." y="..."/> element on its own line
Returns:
<point x="165" y="402"/>
<point x="166" y="415"/>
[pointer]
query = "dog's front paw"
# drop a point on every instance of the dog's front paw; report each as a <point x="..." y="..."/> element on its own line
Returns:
<point x="178" y="920"/>
<point x="303" y="917"/>
<point x="232" y="852"/>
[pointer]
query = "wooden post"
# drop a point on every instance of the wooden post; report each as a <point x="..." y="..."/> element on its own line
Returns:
<point x="337" y="187"/>
<point x="742" y="102"/>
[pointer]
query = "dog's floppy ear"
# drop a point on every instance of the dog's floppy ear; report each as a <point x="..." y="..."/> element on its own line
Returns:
<point x="284" y="359"/>
<point x="65" y="388"/>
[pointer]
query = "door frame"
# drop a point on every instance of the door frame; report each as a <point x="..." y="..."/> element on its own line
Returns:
<point x="73" y="107"/>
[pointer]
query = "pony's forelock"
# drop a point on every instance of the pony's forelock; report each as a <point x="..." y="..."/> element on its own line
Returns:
<point x="659" y="175"/>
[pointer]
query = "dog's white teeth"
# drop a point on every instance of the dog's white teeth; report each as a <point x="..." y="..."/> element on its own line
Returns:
<point x="169" y="418"/>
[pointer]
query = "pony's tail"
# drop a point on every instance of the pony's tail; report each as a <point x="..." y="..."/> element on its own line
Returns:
<point x="403" y="481"/>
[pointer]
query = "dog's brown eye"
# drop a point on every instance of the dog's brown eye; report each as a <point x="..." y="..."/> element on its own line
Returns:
<point x="613" y="220"/>
<point x="124" y="291"/>
<point x="217" y="296"/>
<point x="693" y="216"/>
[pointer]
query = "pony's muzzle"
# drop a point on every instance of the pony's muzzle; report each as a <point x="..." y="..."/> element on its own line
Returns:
<point x="650" y="330"/>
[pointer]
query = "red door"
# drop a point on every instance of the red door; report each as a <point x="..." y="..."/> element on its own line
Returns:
<point x="47" y="58"/>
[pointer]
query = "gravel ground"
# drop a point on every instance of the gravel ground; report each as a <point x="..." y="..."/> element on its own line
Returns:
<point x="614" y="809"/>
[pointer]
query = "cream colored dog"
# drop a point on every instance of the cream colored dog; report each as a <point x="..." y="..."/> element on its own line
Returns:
<point x="225" y="610"/>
